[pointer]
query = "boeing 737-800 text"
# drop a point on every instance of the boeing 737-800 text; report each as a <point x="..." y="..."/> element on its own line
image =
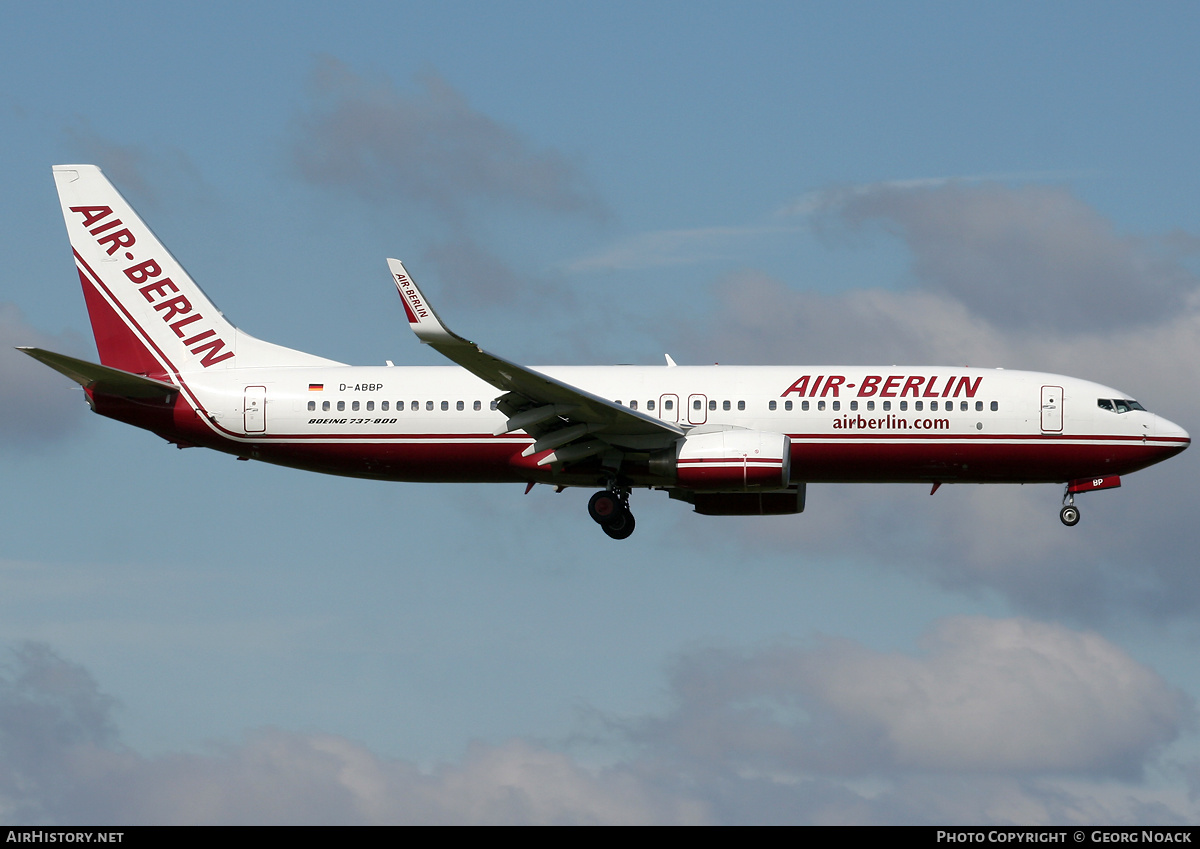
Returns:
<point x="729" y="440"/>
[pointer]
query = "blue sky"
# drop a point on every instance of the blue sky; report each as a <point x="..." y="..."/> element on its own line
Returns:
<point x="185" y="638"/>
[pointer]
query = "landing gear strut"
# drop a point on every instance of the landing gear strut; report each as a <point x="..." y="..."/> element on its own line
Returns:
<point x="1069" y="514"/>
<point x="610" y="509"/>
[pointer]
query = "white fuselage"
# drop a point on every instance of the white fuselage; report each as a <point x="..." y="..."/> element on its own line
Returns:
<point x="848" y="423"/>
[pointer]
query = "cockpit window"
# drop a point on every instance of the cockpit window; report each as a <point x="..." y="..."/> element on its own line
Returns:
<point x="1119" y="405"/>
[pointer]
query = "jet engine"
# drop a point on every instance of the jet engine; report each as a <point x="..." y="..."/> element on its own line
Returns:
<point x="726" y="461"/>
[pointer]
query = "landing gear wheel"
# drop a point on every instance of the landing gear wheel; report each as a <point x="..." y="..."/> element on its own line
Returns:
<point x="609" y="508"/>
<point x="621" y="528"/>
<point x="604" y="507"/>
<point x="1069" y="515"/>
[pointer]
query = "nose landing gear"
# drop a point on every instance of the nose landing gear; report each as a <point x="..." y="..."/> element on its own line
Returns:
<point x="1069" y="514"/>
<point x="610" y="509"/>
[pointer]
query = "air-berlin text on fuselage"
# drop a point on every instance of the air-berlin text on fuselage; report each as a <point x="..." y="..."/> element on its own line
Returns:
<point x="175" y="310"/>
<point x="886" y="386"/>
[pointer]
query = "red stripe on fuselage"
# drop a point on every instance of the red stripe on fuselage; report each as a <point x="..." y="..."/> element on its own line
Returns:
<point x="483" y="458"/>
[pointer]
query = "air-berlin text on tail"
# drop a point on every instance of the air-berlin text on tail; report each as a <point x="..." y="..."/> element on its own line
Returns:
<point x="886" y="386"/>
<point x="411" y="299"/>
<point x="175" y="309"/>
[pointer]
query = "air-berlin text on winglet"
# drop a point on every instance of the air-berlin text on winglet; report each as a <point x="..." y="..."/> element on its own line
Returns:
<point x="155" y="291"/>
<point x="412" y="299"/>
<point x="891" y="386"/>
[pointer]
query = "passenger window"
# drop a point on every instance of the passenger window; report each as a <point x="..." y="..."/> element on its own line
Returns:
<point x="478" y="406"/>
<point x="870" y="405"/>
<point x="933" y="406"/>
<point x="354" y="406"/>
<point x="787" y="405"/>
<point x="649" y="405"/>
<point x="384" y="406"/>
<point x="459" y="405"/>
<point x="963" y="406"/>
<point x="341" y="406"/>
<point x="312" y="406"/>
<point x="979" y="406"/>
<point x="853" y="406"/>
<point x="414" y="405"/>
<point x="903" y="405"/>
<point x="724" y="405"/>
<point x="370" y="406"/>
<point x="837" y="405"/>
<point x="633" y="405"/>
<point x="803" y="406"/>
<point x="445" y="406"/>
<point x="995" y="406"/>
<point x="696" y="404"/>
<point x="771" y="406"/>
<point x="741" y="405"/>
<point x="820" y="405"/>
<point x="712" y="405"/>
<point x="325" y="406"/>
<point x="669" y="404"/>
<point x="918" y="405"/>
<point x="495" y="405"/>
<point x="428" y="405"/>
<point x="887" y="406"/>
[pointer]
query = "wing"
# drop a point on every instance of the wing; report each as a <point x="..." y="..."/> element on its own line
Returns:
<point x="570" y="422"/>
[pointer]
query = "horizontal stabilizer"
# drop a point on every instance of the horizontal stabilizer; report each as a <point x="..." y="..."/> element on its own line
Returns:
<point x="110" y="381"/>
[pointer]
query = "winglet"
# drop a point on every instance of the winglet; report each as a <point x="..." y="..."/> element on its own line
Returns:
<point x="421" y="317"/>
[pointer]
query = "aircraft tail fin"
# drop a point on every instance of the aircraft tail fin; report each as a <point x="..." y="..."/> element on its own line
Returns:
<point x="148" y="316"/>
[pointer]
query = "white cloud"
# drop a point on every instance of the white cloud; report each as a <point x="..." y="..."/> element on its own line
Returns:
<point x="677" y="247"/>
<point x="430" y="147"/>
<point x="987" y="697"/>
<point x="430" y="150"/>
<point x="1030" y="257"/>
<point x="1006" y="696"/>
<point x="978" y="727"/>
<point x="60" y="762"/>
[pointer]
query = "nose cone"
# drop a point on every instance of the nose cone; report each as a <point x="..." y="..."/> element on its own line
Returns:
<point x="1170" y="434"/>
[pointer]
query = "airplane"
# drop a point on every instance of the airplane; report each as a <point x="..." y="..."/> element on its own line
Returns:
<point x="729" y="440"/>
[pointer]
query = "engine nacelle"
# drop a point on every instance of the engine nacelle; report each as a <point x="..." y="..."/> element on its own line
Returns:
<point x="727" y="461"/>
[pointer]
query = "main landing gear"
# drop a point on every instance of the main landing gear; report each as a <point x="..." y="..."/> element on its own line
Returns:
<point x="610" y="509"/>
